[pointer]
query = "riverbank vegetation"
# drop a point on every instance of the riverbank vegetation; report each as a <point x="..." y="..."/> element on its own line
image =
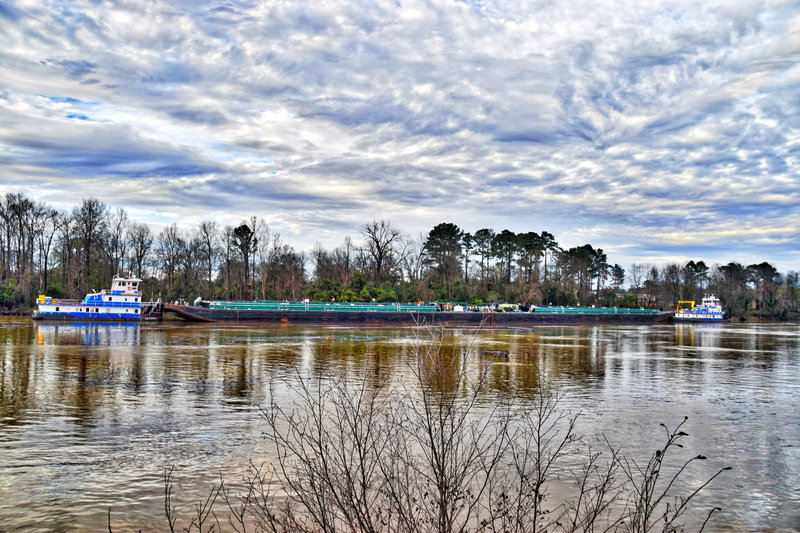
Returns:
<point x="433" y="453"/>
<point x="66" y="254"/>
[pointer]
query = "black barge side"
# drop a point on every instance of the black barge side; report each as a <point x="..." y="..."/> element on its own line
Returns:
<point x="443" y="318"/>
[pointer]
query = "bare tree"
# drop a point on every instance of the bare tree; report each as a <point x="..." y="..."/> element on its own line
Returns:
<point x="208" y="233"/>
<point x="412" y="256"/>
<point x="228" y="257"/>
<point x="381" y="240"/>
<point x="19" y="214"/>
<point x="48" y="226"/>
<point x="323" y="262"/>
<point x="90" y="223"/>
<point x="5" y="219"/>
<point x="170" y="243"/>
<point x="66" y="251"/>
<point x="344" y="260"/>
<point x="118" y="244"/>
<point x="191" y="252"/>
<point x="140" y="239"/>
<point x="447" y="483"/>
<point x="637" y="274"/>
<point x="284" y="270"/>
<point x="261" y="236"/>
<point x="359" y="457"/>
<point x="263" y="251"/>
<point x="651" y="504"/>
<point x="671" y="283"/>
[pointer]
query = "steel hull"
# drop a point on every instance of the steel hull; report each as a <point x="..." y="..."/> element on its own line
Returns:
<point x="203" y="314"/>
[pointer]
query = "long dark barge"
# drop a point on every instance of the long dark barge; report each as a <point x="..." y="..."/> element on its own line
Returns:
<point x="407" y="315"/>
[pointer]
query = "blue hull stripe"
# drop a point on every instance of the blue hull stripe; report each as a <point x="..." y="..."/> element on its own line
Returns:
<point x="88" y="315"/>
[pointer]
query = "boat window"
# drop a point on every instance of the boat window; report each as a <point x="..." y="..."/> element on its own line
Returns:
<point x="96" y="310"/>
<point x="56" y="308"/>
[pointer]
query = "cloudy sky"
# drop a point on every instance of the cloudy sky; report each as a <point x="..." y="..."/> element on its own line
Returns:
<point x="655" y="130"/>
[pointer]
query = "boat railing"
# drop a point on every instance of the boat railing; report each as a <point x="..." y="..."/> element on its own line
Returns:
<point x="266" y="305"/>
<point x="115" y="304"/>
<point x="152" y="309"/>
<point x="595" y="310"/>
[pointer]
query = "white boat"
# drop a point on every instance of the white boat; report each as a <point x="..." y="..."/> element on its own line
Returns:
<point x="709" y="311"/>
<point x="122" y="302"/>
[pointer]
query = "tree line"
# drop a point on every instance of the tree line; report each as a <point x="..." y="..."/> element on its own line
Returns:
<point x="66" y="254"/>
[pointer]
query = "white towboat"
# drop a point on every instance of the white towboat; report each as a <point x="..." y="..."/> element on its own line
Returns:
<point x="122" y="302"/>
<point x="709" y="311"/>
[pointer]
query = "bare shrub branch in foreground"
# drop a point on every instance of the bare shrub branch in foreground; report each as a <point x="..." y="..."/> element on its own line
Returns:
<point x="434" y="452"/>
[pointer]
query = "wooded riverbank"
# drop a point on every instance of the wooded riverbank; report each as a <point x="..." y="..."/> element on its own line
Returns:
<point x="66" y="254"/>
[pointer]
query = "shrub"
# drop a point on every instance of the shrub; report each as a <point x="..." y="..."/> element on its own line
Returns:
<point x="432" y="455"/>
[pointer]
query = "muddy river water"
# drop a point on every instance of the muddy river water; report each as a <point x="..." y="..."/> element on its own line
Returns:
<point x="92" y="414"/>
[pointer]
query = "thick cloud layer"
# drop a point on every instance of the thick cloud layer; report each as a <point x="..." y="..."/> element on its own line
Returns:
<point x="657" y="131"/>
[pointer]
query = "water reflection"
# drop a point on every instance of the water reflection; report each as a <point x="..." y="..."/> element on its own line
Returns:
<point x="88" y="408"/>
<point x="88" y="333"/>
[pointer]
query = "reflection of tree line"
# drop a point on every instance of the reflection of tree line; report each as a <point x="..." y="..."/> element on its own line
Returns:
<point x="16" y="374"/>
<point x="373" y="360"/>
<point x="515" y="360"/>
<point x="241" y="372"/>
<point x="28" y="383"/>
<point x="85" y="379"/>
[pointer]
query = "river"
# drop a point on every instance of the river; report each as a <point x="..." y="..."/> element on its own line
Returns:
<point x="92" y="414"/>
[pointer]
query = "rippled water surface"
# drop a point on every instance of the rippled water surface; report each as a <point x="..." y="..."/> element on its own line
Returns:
<point x="91" y="414"/>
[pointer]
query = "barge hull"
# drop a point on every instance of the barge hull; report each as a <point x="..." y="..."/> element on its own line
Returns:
<point x="444" y="318"/>
<point x="148" y="311"/>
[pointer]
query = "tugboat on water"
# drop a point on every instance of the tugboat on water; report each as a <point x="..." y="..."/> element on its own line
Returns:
<point x="122" y="302"/>
<point x="709" y="311"/>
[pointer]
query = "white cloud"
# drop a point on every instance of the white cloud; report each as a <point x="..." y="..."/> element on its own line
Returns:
<point x="606" y="121"/>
